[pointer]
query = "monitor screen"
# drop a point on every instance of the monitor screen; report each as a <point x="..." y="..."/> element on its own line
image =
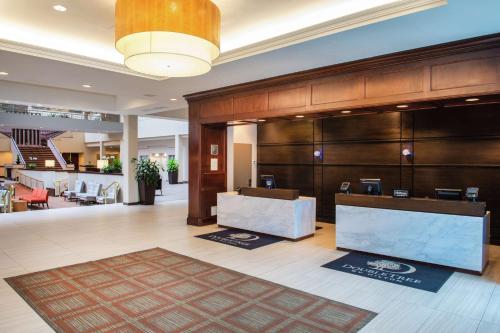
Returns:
<point x="267" y="181"/>
<point x="371" y="186"/>
<point x="448" y="194"/>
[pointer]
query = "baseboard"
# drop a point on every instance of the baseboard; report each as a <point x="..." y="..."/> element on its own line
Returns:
<point x="131" y="203"/>
<point x="201" y="221"/>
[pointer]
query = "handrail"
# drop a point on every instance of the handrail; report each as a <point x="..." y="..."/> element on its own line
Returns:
<point x="105" y="192"/>
<point x="15" y="150"/>
<point x="57" y="154"/>
<point x="30" y="182"/>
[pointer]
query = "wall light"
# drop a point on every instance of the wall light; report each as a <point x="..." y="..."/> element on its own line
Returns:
<point x="60" y="8"/>
<point x="406" y="152"/>
<point x="473" y="99"/>
<point x="50" y="163"/>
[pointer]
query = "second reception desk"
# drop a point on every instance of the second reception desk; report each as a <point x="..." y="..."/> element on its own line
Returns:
<point x="448" y="233"/>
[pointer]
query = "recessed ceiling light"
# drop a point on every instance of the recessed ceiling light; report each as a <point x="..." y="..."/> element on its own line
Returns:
<point x="60" y="8"/>
<point x="299" y="116"/>
<point x="173" y="99"/>
<point x="402" y="106"/>
<point x="86" y="86"/>
<point x="261" y="120"/>
<point x="346" y="111"/>
<point x="4" y="73"/>
<point x="474" y="99"/>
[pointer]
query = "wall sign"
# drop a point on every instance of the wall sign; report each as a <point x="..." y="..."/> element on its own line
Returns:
<point x="214" y="150"/>
<point x="214" y="164"/>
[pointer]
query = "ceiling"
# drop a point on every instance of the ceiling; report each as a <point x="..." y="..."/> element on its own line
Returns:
<point x="259" y="40"/>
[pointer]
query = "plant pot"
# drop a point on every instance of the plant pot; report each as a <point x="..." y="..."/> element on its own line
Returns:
<point x="146" y="193"/>
<point x="173" y="177"/>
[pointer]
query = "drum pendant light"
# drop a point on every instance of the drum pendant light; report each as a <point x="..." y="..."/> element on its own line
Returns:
<point x="168" y="38"/>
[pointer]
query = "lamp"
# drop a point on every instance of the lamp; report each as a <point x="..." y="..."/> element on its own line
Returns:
<point x="168" y="38"/>
<point x="406" y="152"/>
<point x="101" y="164"/>
<point x="50" y="163"/>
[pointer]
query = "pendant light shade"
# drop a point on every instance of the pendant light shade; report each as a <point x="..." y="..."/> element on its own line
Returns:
<point x="169" y="38"/>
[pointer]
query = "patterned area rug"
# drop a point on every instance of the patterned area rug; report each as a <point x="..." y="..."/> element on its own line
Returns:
<point x="161" y="291"/>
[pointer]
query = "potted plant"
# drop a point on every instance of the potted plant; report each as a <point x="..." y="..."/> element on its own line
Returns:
<point x="18" y="160"/>
<point x="173" y="171"/>
<point x="147" y="176"/>
<point x="31" y="166"/>
<point x="114" y="166"/>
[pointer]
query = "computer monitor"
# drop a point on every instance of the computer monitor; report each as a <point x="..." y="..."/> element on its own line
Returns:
<point x="267" y="181"/>
<point x="448" y="193"/>
<point x="371" y="186"/>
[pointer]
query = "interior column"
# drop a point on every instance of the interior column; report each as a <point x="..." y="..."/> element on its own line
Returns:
<point x="128" y="150"/>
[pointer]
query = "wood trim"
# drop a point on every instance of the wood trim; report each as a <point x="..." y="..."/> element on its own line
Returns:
<point x="425" y="205"/>
<point x="283" y="194"/>
<point x="465" y="46"/>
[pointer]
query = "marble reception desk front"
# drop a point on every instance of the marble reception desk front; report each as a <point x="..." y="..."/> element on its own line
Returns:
<point x="457" y="240"/>
<point x="292" y="219"/>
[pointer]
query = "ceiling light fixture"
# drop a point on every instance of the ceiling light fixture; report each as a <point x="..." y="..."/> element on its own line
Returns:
<point x="168" y="38"/>
<point x="60" y="8"/>
<point x="261" y="120"/>
<point x="474" y="99"/>
<point x="299" y="116"/>
<point x="173" y="99"/>
<point x="4" y="73"/>
<point x="402" y="106"/>
<point x="86" y="86"/>
<point x="346" y="111"/>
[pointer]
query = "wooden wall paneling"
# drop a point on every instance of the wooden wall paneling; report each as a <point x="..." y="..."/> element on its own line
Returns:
<point x="195" y="142"/>
<point x="251" y="104"/>
<point x="403" y="80"/>
<point x="359" y="153"/>
<point x="299" y="177"/>
<point x="207" y="182"/>
<point x="286" y="154"/>
<point x="467" y="73"/>
<point x="467" y="152"/>
<point x="292" y="98"/>
<point x="338" y="88"/>
<point x="318" y="189"/>
<point x="360" y="128"/>
<point x="217" y="110"/>
<point x="298" y="131"/>
<point x="468" y="121"/>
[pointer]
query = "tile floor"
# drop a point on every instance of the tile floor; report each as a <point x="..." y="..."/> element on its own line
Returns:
<point x="38" y="240"/>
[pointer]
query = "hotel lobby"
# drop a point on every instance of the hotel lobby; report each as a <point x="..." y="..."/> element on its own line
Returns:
<point x="339" y="173"/>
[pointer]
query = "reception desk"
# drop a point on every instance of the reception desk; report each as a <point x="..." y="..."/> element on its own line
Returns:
<point x="448" y="233"/>
<point x="292" y="219"/>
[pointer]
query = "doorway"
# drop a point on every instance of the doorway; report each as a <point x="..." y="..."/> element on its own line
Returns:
<point x="242" y="165"/>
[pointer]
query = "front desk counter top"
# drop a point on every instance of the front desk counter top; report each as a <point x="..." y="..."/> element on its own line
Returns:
<point x="292" y="219"/>
<point x="442" y="232"/>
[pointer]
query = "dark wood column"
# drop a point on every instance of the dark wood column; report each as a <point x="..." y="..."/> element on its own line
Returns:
<point x="207" y="143"/>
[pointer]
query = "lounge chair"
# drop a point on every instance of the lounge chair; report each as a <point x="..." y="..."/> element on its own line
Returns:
<point x="109" y="194"/>
<point x="4" y="201"/>
<point x="73" y="194"/>
<point x="93" y="191"/>
<point x="38" y="196"/>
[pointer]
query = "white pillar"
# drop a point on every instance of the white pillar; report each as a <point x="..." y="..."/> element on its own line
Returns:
<point x="128" y="150"/>
<point x="102" y="150"/>
<point x="177" y="153"/>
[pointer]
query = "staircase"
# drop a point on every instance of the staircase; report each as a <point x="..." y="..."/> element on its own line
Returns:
<point x="38" y="155"/>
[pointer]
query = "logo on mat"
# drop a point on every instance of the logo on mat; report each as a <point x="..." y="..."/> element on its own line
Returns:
<point x="391" y="266"/>
<point x="244" y="237"/>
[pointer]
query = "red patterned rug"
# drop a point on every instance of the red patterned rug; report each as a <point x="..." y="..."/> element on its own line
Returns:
<point x="161" y="291"/>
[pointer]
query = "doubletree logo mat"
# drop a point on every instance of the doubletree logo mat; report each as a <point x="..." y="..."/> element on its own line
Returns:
<point x="419" y="276"/>
<point x="242" y="239"/>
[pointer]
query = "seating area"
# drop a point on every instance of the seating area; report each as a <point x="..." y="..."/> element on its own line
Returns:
<point x="38" y="197"/>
